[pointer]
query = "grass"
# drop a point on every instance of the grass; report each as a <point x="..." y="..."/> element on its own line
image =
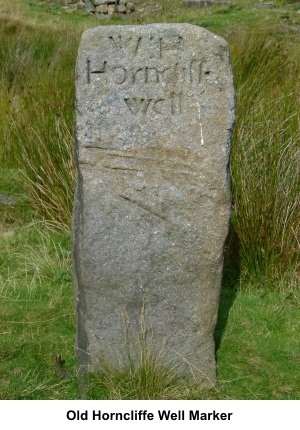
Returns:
<point x="37" y="84"/>
<point x="257" y="335"/>
<point x="265" y="159"/>
<point x="37" y="314"/>
<point x="257" y="354"/>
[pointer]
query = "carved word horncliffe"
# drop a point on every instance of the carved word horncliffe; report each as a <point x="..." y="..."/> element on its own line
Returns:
<point x="112" y="74"/>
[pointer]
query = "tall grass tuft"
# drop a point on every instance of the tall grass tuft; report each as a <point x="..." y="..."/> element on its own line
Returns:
<point x="148" y="379"/>
<point x="48" y="170"/>
<point x="143" y="374"/>
<point x="265" y="159"/>
<point x="37" y="110"/>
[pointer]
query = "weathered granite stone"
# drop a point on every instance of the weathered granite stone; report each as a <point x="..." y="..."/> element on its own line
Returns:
<point x="98" y="2"/>
<point x="80" y="4"/>
<point x="111" y="8"/>
<point x="154" y="114"/>
<point x="130" y="7"/>
<point x="8" y="200"/>
<point x="121" y="8"/>
<point x="199" y="3"/>
<point x="206" y="3"/>
<point x="102" y="8"/>
<point x="89" y="7"/>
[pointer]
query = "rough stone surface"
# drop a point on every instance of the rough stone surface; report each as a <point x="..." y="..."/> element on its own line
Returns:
<point x="154" y="114"/>
<point x="121" y="8"/>
<point x="102" y="8"/>
<point x="206" y="3"/>
<point x="8" y="200"/>
<point x="130" y="7"/>
<point x="106" y="6"/>
<point x="111" y="8"/>
<point x="98" y="2"/>
<point x="89" y="7"/>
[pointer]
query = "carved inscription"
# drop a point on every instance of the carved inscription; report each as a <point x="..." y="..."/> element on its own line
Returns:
<point x="156" y="46"/>
<point x="163" y="106"/>
<point x="163" y="66"/>
<point x="191" y="73"/>
<point x="126" y="44"/>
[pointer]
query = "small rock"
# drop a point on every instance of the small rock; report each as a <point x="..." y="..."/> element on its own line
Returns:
<point x="199" y="3"/>
<point x="121" y="8"/>
<point x="80" y="4"/>
<point x="71" y="8"/>
<point x="102" y="8"/>
<point x="89" y="7"/>
<point x="7" y="200"/>
<point x="111" y="8"/>
<point x="130" y="7"/>
<point x="266" y="5"/>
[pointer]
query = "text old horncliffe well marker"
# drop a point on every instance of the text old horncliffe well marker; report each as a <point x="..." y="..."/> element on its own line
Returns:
<point x="154" y="114"/>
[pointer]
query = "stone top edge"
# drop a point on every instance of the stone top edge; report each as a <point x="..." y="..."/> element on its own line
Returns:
<point x="154" y="26"/>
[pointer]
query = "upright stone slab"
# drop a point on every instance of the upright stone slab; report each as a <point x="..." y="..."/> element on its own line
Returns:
<point x="154" y="113"/>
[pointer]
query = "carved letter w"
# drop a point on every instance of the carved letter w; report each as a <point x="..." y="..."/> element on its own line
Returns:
<point x="129" y="45"/>
<point x="136" y="105"/>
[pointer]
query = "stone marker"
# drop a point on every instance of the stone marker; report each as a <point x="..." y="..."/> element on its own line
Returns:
<point x="154" y="115"/>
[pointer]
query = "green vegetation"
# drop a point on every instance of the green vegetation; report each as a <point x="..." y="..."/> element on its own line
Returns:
<point x="37" y="313"/>
<point x="265" y="160"/>
<point x="37" y="109"/>
<point x="258" y="334"/>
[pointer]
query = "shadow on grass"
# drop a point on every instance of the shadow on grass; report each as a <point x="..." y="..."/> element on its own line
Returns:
<point x="230" y="282"/>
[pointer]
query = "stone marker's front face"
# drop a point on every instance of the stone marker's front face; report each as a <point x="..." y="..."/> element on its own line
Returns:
<point x="154" y="116"/>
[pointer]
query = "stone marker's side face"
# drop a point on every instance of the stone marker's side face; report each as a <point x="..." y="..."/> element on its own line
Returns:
<point x="154" y="113"/>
